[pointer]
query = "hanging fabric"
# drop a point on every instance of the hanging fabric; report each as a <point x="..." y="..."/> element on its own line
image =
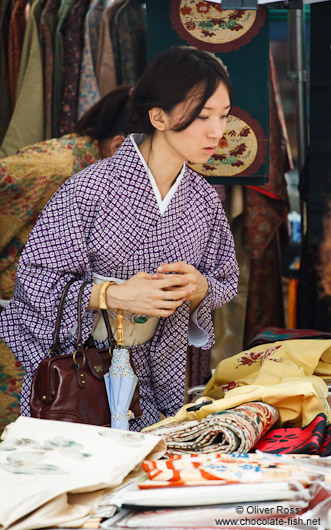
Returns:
<point x="73" y="29"/>
<point x="48" y="23"/>
<point x="27" y="122"/>
<point x="5" y="106"/>
<point x="88" y="85"/>
<point x="106" y="71"/>
<point x="16" y="35"/>
<point x="63" y="13"/>
<point x="129" y="41"/>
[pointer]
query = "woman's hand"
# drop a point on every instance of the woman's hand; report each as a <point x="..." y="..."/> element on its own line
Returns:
<point x="147" y="294"/>
<point x="196" y="281"/>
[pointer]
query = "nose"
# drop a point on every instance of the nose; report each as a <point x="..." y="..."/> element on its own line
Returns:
<point x="216" y="129"/>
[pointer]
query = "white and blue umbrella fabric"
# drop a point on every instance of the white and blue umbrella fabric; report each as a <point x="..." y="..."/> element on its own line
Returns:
<point x="121" y="382"/>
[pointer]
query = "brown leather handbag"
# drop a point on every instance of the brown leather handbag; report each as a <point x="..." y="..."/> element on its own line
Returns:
<point x="71" y="387"/>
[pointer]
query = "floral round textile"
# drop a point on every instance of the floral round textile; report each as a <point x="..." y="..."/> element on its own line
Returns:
<point x="209" y="27"/>
<point x="241" y="151"/>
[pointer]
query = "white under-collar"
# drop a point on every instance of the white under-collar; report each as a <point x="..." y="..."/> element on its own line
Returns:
<point x="163" y="204"/>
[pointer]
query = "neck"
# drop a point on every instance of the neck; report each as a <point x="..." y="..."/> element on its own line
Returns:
<point x="164" y="167"/>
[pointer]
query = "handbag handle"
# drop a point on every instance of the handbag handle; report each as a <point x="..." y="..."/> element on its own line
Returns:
<point x="111" y="338"/>
<point x="56" y="341"/>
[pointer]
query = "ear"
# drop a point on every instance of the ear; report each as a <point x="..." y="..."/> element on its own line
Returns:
<point x="158" y="118"/>
<point x="115" y="142"/>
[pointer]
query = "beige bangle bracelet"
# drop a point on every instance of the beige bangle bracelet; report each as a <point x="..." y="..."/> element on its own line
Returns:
<point x="102" y="294"/>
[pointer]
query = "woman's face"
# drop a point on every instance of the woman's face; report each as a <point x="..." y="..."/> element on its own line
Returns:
<point x="197" y="143"/>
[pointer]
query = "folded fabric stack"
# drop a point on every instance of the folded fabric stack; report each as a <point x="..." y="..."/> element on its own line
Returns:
<point x="203" y="469"/>
<point x="226" y="431"/>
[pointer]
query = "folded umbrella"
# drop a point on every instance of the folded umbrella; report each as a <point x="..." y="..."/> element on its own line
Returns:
<point x="120" y="382"/>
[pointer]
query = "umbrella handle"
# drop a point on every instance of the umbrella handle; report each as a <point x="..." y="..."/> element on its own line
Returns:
<point x="120" y="330"/>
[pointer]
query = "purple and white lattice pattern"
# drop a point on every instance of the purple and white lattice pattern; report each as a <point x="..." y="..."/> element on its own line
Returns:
<point x="106" y="220"/>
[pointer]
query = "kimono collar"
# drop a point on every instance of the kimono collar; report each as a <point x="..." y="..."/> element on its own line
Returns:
<point x="162" y="203"/>
<point x="129" y="152"/>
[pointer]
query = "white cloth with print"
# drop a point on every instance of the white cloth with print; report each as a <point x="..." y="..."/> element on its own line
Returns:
<point x="41" y="460"/>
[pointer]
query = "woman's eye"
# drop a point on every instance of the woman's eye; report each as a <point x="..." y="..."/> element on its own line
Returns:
<point x="203" y="117"/>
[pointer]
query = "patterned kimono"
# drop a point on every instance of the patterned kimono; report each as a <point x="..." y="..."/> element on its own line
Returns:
<point x="106" y="220"/>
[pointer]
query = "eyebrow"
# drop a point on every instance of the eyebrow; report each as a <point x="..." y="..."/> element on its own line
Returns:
<point x="211" y="108"/>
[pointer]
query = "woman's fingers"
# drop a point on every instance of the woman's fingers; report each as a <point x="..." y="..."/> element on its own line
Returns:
<point x="179" y="266"/>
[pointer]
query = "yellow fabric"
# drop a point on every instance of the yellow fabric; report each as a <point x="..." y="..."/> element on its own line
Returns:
<point x="284" y="374"/>
<point x="28" y="180"/>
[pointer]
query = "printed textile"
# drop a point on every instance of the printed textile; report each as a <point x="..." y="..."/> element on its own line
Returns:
<point x="237" y="430"/>
<point x="42" y="460"/>
<point x="88" y="84"/>
<point x="72" y="31"/>
<point x="313" y="439"/>
<point x="28" y="179"/>
<point x="214" y="468"/>
<point x="73" y="237"/>
<point x="271" y="334"/>
<point x="285" y="374"/>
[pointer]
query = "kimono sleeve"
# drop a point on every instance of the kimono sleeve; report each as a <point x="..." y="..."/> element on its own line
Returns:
<point x="56" y="251"/>
<point x="219" y="266"/>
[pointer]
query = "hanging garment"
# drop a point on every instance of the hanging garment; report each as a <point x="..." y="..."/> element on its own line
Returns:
<point x="88" y="84"/>
<point x="27" y="122"/>
<point x="229" y="320"/>
<point x="16" y="35"/>
<point x="48" y="23"/>
<point x="129" y="41"/>
<point x="63" y="13"/>
<point x="74" y="236"/>
<point x="106" y="71"/>
<point x="73" y="29"/>
<point x="5" y="104"/>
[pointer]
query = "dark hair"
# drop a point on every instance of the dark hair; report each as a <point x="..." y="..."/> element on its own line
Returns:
<point x="170" y="77"/>
<point x="108" y="117"/>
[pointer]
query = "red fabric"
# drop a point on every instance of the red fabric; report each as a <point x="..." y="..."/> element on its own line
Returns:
<point x="314" y="439"/>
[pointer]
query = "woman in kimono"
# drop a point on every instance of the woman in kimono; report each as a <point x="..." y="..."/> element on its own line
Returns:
<point x="145" y="221"/>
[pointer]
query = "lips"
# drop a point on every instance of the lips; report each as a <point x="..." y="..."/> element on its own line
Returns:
<point x="210" y="150"/>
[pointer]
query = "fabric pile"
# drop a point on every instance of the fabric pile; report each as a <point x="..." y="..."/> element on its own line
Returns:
<point x="56" y="473"/>
<point x="236" y="430"/>
<point x="272" y="397"/>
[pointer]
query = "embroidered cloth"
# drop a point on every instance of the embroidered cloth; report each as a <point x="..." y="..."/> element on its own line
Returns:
<point x="285" y="374"/>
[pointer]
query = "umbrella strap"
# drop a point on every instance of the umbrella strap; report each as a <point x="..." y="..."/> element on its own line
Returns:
<point x="128" y="415"/>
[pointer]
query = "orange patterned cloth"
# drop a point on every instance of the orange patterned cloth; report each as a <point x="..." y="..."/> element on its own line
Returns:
<point x="217" y="468"/>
